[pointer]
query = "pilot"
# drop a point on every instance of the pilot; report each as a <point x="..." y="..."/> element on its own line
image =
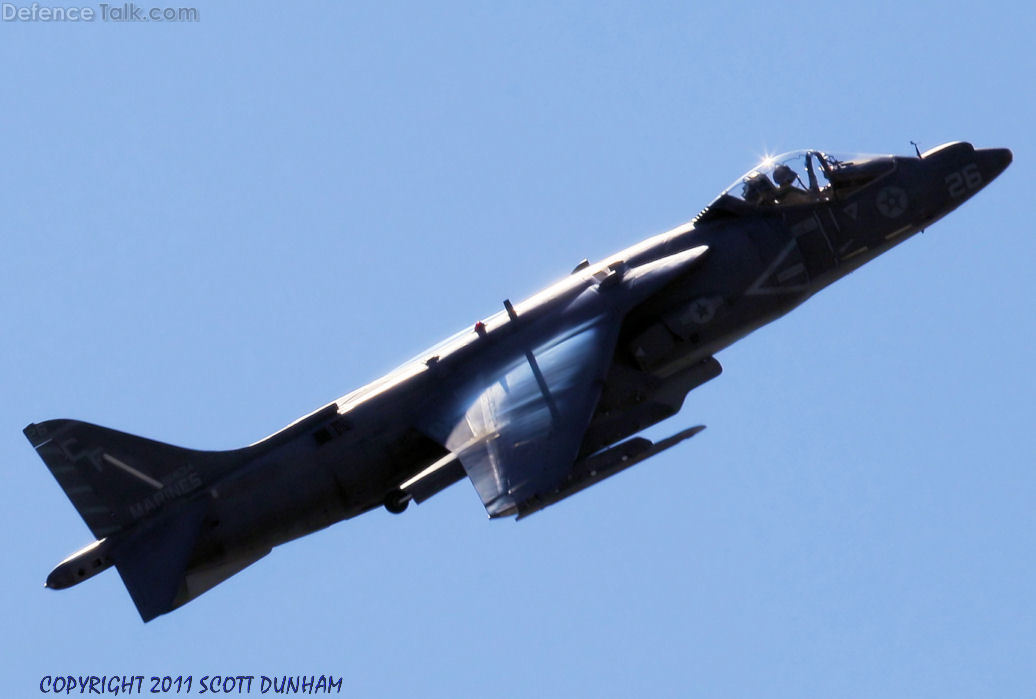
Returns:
<point x="758" y="190"/>
<point x="787" y="192"/>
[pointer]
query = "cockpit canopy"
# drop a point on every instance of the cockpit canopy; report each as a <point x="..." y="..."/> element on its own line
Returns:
<point x="799" y="177"/>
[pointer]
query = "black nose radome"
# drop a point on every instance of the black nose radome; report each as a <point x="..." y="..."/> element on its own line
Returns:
<point x="993" y="161"/>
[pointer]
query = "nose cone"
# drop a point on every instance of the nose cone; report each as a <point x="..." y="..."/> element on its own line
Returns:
<point x="963" y="158"/>
<point x="953" y="173"/>
<point x="993" y="161"/>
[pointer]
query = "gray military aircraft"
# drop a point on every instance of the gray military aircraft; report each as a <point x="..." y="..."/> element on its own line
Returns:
<point x="532" y="404"/>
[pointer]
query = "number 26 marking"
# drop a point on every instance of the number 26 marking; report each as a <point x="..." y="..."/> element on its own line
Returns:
<point x="964" y="180"/>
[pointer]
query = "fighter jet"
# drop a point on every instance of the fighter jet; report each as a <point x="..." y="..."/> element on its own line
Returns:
<point x="532" y="404"/>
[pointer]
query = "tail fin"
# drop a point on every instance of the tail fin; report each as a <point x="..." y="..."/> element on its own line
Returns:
<point x="114" y="479"/>
<point x="134" y="494"/>
<point x="137" y="497"/>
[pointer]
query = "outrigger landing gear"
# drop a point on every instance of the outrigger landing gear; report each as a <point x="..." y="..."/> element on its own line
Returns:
<point x="397" y="502"/>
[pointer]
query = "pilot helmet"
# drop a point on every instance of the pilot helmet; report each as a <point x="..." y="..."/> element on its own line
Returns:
<point x="751" y="185"/>
<point x="756" y="188"/>
<point x="784" y="175"/>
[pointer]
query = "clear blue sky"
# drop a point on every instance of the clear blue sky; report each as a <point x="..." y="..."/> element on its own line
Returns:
<point x="212" y="228"/>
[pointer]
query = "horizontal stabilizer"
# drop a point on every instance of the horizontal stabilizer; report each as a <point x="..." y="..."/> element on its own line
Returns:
<point x="152" y="562"/>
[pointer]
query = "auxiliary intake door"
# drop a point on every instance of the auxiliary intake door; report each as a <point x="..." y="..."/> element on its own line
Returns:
<point x="811" y="234"/>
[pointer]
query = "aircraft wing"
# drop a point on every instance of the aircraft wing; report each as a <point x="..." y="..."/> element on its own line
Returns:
<point x="517" y="421"/>
<point x="522" y="425"/>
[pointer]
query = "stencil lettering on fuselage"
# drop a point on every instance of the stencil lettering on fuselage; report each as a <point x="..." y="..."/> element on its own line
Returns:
<point x="178" y="483"/>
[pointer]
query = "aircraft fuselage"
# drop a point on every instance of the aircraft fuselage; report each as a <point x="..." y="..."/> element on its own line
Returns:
<point x="663" y="308"/>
